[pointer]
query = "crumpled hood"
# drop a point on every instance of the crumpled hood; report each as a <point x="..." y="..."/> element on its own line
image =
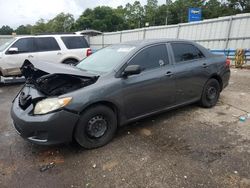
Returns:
<point x="53" y="68"/>
<point x="55" y="79"/>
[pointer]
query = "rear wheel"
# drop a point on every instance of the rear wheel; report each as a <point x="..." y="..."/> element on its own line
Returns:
<point x="210" y="94"/>
<point x="96" y="127"/>
<point x="70" y="62"/>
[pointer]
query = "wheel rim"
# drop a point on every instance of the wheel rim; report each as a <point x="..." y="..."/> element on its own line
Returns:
<point x="211" y="93"/>
<point x="97" y="126"/>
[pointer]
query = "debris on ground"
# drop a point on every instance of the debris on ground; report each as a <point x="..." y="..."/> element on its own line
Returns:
<point x="145" y="132"/>
<point x="47" y="167"/>
<point x="243" y="118"/>
<point x="94" y="166"/>
<point x="110" y="165"/>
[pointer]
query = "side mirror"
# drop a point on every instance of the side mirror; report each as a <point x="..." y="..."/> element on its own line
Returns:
<point x="131" y="70"/>
<point x="13" y="50"/>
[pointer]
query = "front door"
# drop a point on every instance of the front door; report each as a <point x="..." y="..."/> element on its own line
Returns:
<point x="25" y="50"/>
<point x="154" y="88"/>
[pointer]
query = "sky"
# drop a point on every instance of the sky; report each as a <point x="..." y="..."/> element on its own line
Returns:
<point x="22" y="12"/>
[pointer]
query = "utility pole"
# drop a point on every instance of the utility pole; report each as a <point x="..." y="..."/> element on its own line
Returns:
<point x="167" y="5"/>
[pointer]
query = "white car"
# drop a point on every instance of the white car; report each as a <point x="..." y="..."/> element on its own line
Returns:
<point x="68" y="49"/>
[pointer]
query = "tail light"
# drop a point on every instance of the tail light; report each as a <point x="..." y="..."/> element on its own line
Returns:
<point x="89" y="52"/>
<point x="228" y="62"/>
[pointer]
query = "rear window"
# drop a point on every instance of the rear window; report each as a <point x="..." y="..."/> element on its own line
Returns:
<point x="185" y="52"/>
<point x="75" y="42"/>
<point x="46" y="44"/>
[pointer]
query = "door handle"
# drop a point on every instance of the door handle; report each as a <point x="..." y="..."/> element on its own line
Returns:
<point x="59" y="53"/>
<point x="30" y="56"/>
<point x="204" y="65"/>
<point x="169" y="73"/>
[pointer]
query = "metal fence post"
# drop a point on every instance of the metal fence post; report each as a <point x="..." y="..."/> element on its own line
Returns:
<point x="120" y="36"/>
<point x="103" y="40"/>
<point x="144" y="33"/>
<point x="178" y="31"/>
<point x="228" y="32"/>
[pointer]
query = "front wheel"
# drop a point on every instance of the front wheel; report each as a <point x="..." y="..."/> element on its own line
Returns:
<point x="210" y="94"/>
<point x="96" y="127"/>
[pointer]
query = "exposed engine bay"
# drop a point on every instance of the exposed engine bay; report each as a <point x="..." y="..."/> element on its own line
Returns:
<point x="57" y="82"/>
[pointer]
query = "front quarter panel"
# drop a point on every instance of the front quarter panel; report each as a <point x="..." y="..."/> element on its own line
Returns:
<point x="104" y="90"/>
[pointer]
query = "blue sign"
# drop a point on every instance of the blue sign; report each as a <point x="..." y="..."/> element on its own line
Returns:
<point x="194" y="14"/>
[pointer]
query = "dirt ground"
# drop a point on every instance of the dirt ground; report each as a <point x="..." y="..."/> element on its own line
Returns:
<point x="190" y="147"/>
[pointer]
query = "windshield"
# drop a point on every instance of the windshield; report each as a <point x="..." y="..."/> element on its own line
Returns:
<point x="105" y="59"/>
<point x="6" y="44"/>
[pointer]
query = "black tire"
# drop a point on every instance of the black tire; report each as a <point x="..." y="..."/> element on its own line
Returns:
<point x="88" y="133"/>
<point x="70" y="62"/>
<point x="210" y="94"/>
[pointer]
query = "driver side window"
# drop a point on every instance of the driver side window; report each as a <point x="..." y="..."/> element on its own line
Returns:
<point x="24" y="45"/>
<point x="151" y="57"/>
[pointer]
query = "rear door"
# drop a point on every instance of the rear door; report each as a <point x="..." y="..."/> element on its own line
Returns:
<point x="190" y="71"/>
<point x="76" y="45"/>
<point x="48" y="49"/>
<point x="153" y="89"/>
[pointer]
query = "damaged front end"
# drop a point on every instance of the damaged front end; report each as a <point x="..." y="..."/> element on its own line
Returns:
<point x="39" y="110"/>
<point x="46" y="82"/>
<point x="57" y="79"/>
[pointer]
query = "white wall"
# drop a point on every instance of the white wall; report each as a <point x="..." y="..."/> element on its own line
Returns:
<point x="220" y="33"/>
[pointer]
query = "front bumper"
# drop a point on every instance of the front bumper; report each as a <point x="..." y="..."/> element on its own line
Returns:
<point x="47" y="129"/>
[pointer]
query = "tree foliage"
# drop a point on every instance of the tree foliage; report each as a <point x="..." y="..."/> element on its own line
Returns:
<point x="132" y="16"/>
<point x="23" y="30"/>
<point x="6" y="30"/>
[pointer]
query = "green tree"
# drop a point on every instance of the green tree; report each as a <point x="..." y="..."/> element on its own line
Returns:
<point x="6" y="30"/>
<point x="240" y="5"/>
<point x="23" y="30"/>
<point x="215" y="8"/>
<point x="39" y="27"/>
<point x="178" y="10"/>
<point x="120" y="12"/>
<point x="61" y="23"/>
<point x="85" y="20"/>
<point x="160" y="15"/>
<point x="150" y="11"/>
<point x="134" y="15"/>
<point x="101" y="18"/>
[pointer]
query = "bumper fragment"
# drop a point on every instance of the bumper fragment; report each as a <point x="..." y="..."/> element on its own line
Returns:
<point x="47" y="129"/>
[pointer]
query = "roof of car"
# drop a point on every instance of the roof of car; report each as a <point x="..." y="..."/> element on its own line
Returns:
<point x="153" y="41"/>
<point x="50" y="35"/>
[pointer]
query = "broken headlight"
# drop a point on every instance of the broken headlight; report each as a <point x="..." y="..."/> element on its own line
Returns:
<point x="51" y="104"/>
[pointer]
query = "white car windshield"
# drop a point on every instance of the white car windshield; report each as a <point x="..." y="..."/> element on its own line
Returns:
<point x="105" y="59"/>
<point x="6" y="44"/>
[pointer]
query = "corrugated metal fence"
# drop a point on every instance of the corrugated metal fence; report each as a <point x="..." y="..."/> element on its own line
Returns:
<point x="220" y="33"/>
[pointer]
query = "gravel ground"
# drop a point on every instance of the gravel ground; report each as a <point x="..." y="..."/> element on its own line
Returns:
<point x="189" y="147"/>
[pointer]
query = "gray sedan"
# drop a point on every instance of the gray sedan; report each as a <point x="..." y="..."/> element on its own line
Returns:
<point x="114" y="86"/>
